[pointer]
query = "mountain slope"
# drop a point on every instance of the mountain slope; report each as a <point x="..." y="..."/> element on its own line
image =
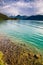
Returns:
<point x="35" y="17"/>
<point x="3" y="17"/>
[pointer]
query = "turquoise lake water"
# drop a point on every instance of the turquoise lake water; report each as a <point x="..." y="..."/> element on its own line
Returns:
<point x="28" y="31"/>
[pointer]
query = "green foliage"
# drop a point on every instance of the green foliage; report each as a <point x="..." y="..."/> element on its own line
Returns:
<point x="3" y="17"/>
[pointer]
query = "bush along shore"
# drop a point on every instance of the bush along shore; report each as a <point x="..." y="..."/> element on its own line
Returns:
<point x="17" y="54"/>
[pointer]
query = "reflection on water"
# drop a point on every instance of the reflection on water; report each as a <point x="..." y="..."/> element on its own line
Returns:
<point x="25" y="30"/>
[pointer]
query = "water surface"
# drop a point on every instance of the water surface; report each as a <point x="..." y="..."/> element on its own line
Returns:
<point x="28" y="31"/>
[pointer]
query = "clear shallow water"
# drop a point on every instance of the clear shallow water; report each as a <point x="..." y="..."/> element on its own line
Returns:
<point x="30" y="32"/>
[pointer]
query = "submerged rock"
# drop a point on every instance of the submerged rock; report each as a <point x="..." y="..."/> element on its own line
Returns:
<point x="36" y="56"/>
<point x="17" y="54"/>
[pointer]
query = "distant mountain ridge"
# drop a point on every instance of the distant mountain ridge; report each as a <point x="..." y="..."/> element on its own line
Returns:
<point x="35" y="17"/>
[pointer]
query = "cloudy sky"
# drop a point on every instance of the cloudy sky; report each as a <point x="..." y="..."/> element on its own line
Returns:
<point x="21" y="7"/>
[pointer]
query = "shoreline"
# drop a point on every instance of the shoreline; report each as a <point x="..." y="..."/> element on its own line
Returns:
<point x="20" y="42"/>
<point x="9" y="48"/>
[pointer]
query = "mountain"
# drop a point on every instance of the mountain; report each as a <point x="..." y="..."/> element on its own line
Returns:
<point x="21" y="17"/>
<point x="35" y="17"/>
<point x="3" y="16"/>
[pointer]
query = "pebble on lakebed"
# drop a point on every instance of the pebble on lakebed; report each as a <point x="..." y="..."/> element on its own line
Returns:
<point x="15" y="54"/>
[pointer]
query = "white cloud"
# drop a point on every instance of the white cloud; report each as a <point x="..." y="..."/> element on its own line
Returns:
<point x="15" y="8"/>
<point x="23" y="4"/>
<point x="19" y="4"/>
<point x="20" y="7"/>
<point x="39" y="7"/>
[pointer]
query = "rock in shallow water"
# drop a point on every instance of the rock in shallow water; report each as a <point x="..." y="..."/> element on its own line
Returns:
<point x="16" y="54"/>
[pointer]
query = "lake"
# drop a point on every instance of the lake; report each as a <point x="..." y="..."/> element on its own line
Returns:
<point x="29" y="32"/>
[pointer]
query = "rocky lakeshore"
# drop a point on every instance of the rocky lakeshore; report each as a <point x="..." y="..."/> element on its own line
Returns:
<point x="18" y="54"/>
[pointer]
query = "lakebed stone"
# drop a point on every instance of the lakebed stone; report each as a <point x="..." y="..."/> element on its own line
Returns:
<point x="17" y="54"/>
